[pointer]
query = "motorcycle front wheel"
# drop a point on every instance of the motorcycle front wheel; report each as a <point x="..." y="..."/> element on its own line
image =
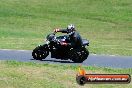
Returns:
<point x="39" y="53"/>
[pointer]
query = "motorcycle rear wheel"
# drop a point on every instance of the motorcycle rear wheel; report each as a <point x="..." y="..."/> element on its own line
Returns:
<point x="79" y="55"/>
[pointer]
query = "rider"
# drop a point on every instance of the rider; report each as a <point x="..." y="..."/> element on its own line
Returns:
<point x="75" y="38"/>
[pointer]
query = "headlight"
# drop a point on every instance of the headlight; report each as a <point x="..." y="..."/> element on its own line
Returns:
<point x="47" y="42"/>
<point x="50" y="37"/>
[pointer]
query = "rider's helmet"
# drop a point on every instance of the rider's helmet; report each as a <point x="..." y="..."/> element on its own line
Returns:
<point x="70" y="28"/>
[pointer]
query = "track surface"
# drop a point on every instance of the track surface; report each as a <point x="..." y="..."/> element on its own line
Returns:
<point x="93" y="60"/>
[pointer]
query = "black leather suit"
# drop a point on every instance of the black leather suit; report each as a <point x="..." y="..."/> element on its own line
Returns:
<point x="75" y="38"/>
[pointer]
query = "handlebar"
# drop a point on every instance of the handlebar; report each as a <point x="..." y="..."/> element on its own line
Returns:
<point x="54" y="33"/>
<point x="52" y="37"/>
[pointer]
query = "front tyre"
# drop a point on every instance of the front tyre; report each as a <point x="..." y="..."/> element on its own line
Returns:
<point x="79" y="55"/>
<point x="40" y="53"/>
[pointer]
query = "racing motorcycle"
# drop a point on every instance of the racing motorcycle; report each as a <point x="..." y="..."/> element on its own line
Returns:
<point x="60" y="48"/>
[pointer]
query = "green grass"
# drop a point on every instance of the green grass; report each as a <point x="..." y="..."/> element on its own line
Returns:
<point x="34" y="75"/>
<point x="106" y="23"/>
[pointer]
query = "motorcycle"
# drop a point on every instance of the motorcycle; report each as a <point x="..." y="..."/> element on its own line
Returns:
<point x="60" y="48"/>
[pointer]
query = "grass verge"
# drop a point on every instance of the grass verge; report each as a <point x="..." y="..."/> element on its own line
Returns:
<point x="34" y="75"/>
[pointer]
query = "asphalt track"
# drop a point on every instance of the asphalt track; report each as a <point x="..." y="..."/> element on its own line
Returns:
<point x="93" y="60"/>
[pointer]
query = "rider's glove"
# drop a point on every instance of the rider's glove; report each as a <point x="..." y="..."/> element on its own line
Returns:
<point x="56" y="30"/>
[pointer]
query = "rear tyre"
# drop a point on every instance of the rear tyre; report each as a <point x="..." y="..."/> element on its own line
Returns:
<point x="40" y="53"/>
<point x="79" y="55"/>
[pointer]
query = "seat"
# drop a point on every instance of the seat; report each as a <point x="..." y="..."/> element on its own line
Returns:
<point x="85" y="42"/>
